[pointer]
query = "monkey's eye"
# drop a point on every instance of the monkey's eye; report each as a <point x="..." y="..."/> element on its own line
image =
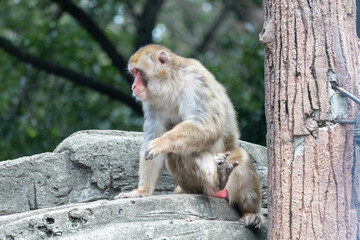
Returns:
<point x="135" y="71"/>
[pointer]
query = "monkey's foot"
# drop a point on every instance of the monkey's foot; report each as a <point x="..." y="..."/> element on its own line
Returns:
<point x="220" y="160"/>
<point x="178" y="190"/>
<point x="220" y="194"/>
<point x="222" y="164"/>
<point x="133" y="194"/>
<point x="255" y="220"/>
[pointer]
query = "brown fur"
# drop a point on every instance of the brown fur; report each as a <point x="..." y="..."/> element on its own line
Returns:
<point x="188" y="119"/>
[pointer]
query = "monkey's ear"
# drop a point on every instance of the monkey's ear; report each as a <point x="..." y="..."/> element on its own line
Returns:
<point x="163" y="57"/>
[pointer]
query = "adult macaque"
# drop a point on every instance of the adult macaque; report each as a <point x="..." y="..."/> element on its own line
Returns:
<point x="188" y="120"/>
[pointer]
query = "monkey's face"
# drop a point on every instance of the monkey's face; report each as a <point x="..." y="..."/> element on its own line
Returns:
<point x="150" y="68"/>
<point x="139" y="85"/>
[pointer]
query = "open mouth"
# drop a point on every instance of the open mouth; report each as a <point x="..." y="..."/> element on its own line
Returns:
<point x="138" y="75"/>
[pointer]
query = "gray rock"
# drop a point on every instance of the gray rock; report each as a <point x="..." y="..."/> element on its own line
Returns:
<point x="47" y="195"/>
<point x="39" y="181"/>
<point x="159" y="217"/>
<point x="87" y="166"/>
<point x="109" y="160"/>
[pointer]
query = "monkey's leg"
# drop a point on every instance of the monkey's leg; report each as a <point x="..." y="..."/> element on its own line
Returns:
<point x="244" y="192"/>
<point x="207" y="172"/>
<point x="194" y="174"/>
<point x="149" y="174"/>
<point x="244" y="189"/>
<point x="178" y="190"/>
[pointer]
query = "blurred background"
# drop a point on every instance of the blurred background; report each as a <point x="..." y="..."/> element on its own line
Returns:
<point x="63" y="63"/>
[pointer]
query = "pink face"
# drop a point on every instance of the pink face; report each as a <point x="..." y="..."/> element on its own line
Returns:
<point x="138" y="87"/>
<point x="145" y="67"/>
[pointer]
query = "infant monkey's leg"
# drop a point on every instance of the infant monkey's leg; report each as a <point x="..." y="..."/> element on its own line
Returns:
<point x="193" y="174"/>
<point x="242" y="186"/>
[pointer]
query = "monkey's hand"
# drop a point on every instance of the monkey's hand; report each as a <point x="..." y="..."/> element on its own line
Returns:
<point x="156" y="147"/>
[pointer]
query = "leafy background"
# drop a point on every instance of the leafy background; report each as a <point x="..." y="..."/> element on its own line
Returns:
<point x="40" y="107"/>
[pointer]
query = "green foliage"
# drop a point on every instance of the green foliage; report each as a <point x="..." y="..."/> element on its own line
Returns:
<point x="39" y="110"/>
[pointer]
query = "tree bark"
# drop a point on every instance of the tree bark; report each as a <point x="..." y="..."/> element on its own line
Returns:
<point x="313" y="191"/>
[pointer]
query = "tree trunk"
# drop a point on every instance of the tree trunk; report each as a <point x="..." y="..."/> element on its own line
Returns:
<point x="313" y="192"/>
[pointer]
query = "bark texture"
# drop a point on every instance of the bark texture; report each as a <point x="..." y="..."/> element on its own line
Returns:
<point x="313" y="192"/>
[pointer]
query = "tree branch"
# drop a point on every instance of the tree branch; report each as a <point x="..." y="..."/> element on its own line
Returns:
<point x="146" y="22"/>
<point x="131" y="9"/>
<point x="243" y="14"/>
<point x="95" y="32"/>
<point x="209" y="35"/>
<point x="73" y="76"/>
<point x="14" y="107"/>
<point x="239" y="14"/>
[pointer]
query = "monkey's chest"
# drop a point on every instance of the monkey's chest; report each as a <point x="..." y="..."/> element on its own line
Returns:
<point x="169" y="123"/>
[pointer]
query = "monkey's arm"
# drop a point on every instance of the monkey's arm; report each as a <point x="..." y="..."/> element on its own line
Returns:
<point x="149" y="171"/>
<point x="185" y="138"/>
<point x="203" y="113"/>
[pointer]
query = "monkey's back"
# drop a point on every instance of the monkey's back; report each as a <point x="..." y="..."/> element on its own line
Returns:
<point x="211" y="100"/>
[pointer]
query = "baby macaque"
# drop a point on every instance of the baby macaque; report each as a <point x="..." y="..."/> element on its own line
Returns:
<point x="188" y="119"/>
<point x="231" y="172"/>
